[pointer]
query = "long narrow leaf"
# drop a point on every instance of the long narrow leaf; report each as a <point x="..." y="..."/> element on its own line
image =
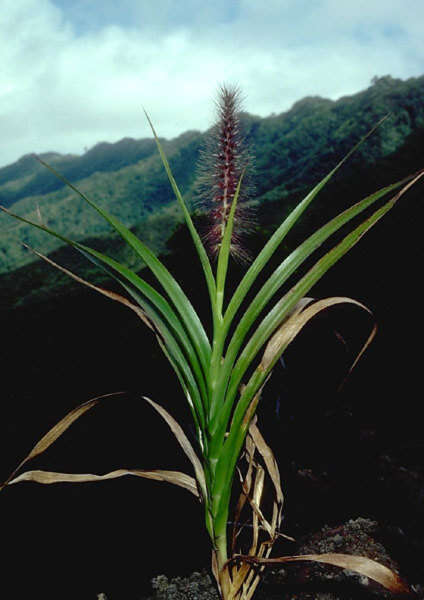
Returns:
<point x="198" y="421"/>
<point x="219" y="330"/>
<point x="285" y="270"/>
<point x="279" y="235"/>
<point x="218" y="426"/>
<point x="204" y="259"/>
<point x="227" y="460"/>
<point x="175" y="335"/>
<point x="156" y="299"/>
<point x="291" y="328"/>
<point x="276" y="316"/>
<point x="167" y="281"/>
<point x="225" y="467"/>
<point x="269" y="459"/>
<point x="147" y="290"/>
<point x="281" y="274"/>
<point x="55" y="432"/>
<point x="292" y="262"/>
<point x="195" y="385"/>
<point x="183" y="441"/>
<point x="49" y="477"/>
<point x="224" y="251"/>
<point x="361" y="564"/>
<point x="109" y="294"/>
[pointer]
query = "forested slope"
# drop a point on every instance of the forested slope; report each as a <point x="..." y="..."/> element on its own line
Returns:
<point x="292" y="151"/>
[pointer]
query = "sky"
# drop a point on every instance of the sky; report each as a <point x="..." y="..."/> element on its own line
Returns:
<point x="77" y="72"/>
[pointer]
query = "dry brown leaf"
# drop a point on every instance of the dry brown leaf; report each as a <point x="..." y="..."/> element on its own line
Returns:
<point x="112" y="295"/>
<point x="48" y="477"/>
<point x="258" y="516"/>
<point x="360" y="564"/>
<point x="55" y="432"/>
<point x="245" y="577"/>
<point x="269" y="459"/>
<point x="292" y="326"/>
<point x="184" y="443"/>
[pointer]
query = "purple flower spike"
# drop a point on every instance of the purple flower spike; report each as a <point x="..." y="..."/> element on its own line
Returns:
<point x="221" y="165"/>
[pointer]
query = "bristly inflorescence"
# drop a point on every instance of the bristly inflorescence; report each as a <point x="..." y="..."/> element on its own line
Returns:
<point x="223" y="160"/>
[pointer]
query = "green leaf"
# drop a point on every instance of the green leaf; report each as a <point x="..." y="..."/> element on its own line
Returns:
<point x="276" y="316"/>
<point x="225" y="249"/>
<point x="232" y="445"/>
<point x="281" y="274"/>
<point x="219" y="331"/>
<point x="279" y="235"/>
<point x="194" y="387"/>
<point x="167" y="311"/>
<point x="167" y="281"/>
<point x="204" y="259"/>
<point x="155" y="306"/>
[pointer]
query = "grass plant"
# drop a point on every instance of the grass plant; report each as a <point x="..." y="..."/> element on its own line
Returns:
<point x="223" y="372"/>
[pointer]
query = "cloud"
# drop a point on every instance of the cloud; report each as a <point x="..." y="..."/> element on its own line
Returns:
<point x="89" y="15"/>
<point x="76" y="73"/>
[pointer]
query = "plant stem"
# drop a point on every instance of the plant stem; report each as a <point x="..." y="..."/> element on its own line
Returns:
<point x="222" y="557"/>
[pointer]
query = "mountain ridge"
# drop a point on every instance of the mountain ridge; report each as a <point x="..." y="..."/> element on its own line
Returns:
<point x="292" y="151"/>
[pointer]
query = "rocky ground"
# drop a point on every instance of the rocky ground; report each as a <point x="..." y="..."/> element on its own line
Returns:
<point x="309" y="581"/>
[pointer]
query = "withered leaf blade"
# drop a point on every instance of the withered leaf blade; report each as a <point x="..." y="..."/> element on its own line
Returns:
<point x="57" y="430"/>
<point x="48" y="477"/>
<point x="360" y="564"/>
<point x="286" y="333"/>
<point x="269" y="459"/>
<point x="183" y="441"/>
<point x="111" y="295"/>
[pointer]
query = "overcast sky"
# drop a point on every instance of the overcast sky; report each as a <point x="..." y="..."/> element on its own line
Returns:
<point x="77" y="72"/>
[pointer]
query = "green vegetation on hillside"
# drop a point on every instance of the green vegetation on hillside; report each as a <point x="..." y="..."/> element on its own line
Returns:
<point x="293" y="151"/>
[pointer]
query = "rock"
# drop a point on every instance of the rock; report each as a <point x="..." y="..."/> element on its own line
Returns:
<point x="197" y="586"/>
<point x="316" y="581"/>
